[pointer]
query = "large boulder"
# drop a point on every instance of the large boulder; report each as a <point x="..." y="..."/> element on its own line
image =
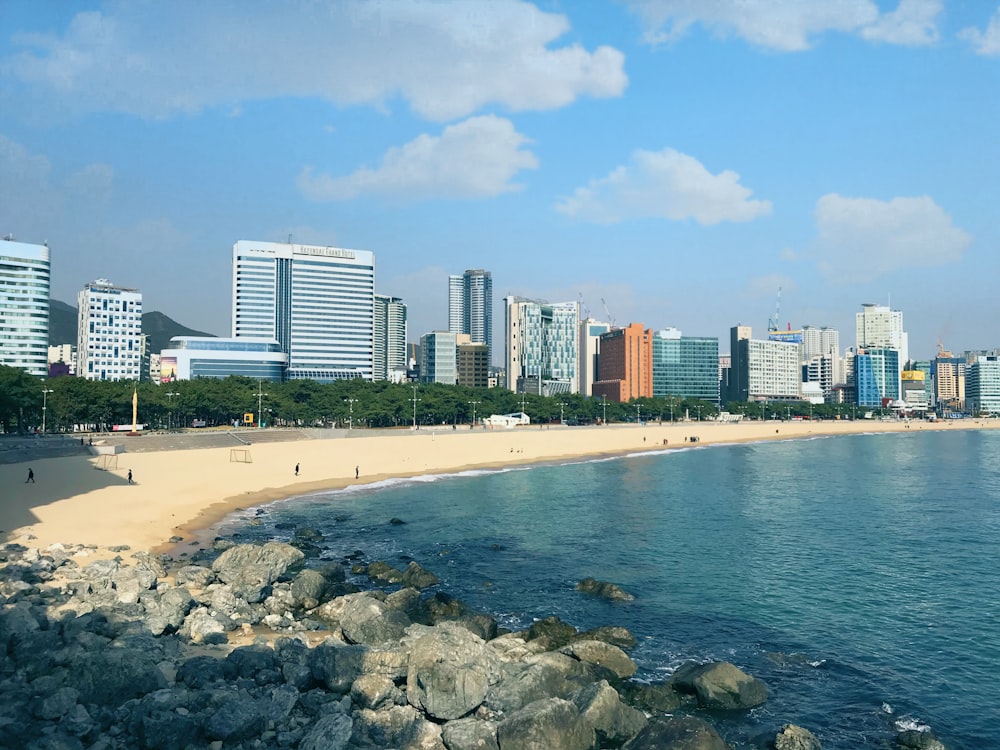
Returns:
<point x="720" y="686"/>
<point x="114" y="675"/>
<point x="250" y="568"/>
<point x="676" y="733"/>
<point x="605" y="590"/>
<point x="470" y="734"/>
<point x="552" y="724"/>
<point x="336" y="666"/>
<point x="601" y="706"/>
<point x="330" y="732"/>
<point x="367" y="620"/>
<point x="450" y="671"/>
<point x="917" y="740"/>
<point x="547" y="675"/>
<point x="792" y="737"/>
<point x="552" y="632"/>
<point x="238" y="718"/>
<point x="602" y="654"/>
<point x="396" y="727"/>
<point x="652" y="698"/>
<point x="308" y="589"/>
<point x="165" y="612"/>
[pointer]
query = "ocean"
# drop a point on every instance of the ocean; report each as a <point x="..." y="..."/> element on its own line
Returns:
<point x="857" y="576"/>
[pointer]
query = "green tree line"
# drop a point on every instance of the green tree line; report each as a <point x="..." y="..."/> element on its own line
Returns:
<point x="305" y="403"/>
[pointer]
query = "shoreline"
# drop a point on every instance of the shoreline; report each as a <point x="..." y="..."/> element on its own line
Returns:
<point x="188" y="492"/>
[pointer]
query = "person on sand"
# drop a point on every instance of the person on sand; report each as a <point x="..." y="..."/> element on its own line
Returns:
<point x="357" y="471"/>
<point x="130" y="477"/>
<point x="31" y="476"/>
<point x="296" y="469"/>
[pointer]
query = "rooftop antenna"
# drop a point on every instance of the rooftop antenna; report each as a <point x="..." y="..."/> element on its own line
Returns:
<point x="772" y="324"/>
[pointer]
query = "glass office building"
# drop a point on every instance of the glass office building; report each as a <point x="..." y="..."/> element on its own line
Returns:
<point x="317" y="302"/>
<point x="470" y="306"/>
<point x="876" y="376"/>
<point x="24" y="306"/>
<point x="542" y="346"/>
<point x="685" y="366"/>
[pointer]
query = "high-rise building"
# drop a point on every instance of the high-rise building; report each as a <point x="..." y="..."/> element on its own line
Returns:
<point x="589" y="344"/>
<point x="439" y="357"/>
<point x="880" y="327"/>
<point x="541" y="346"/>
<point x="824" y="343"/>
<point x="470" y="306"/>
<point x="625" y="364"/>
<point x="24" y="306"/>
<point x="949" y="374"/>
<point x="317" y="301"/>
<point x="685" y="366"/>
<point x="109" y="332"/>
<point x="389" y="358"/>
<point x="983" y="386"/>
<point x="473" y="365"/>
<point x="876" y="376"/>
<point x="763" y="370"/>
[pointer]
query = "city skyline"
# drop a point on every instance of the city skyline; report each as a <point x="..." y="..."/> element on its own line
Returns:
<point x="673" y="167"/>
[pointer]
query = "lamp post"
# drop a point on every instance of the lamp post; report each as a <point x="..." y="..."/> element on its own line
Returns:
<point x="637" y="413"/>
<point x="699" y="412"/>
<point x="45" y="395"/>
<point x="562" y="418"/>
<point x="414" y="400"/>
<point x="260" y="399"/>
<point x="170" y="414"/>
<point x="350" y="418"/>
<point x="474" y="411"/>
<point x="604" y="409"/>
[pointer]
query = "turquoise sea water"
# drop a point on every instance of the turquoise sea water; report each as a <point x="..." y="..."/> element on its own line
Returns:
<point x="857" y="576"/>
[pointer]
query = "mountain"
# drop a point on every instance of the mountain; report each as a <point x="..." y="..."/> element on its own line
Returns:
<point x="159" y="327"/>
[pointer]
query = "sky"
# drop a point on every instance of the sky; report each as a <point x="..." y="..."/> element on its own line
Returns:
<point x="667" y="162"/>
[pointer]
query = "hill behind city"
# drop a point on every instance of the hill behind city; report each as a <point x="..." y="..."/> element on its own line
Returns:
<point x="160" y="328"/>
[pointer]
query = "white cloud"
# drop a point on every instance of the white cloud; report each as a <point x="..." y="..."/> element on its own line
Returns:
<point x="447" y="59"/>
<point x="476" y="158"/>
<point x="668" y="185"/>
<point x="985" y="42"/>
<point x="788" y="25"/>
<point x="861" y="239"/>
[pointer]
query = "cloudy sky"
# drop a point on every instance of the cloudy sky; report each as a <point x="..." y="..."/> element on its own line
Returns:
<point x="669" y="162"/>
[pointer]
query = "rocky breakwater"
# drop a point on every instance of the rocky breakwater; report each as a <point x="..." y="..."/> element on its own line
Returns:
<point x="138" y="652"/>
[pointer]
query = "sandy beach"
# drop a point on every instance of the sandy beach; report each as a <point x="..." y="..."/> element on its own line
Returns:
<point x="179" y="492"/>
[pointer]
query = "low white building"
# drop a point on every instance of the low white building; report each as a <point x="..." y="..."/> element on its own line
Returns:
<point x="507" y="420"/>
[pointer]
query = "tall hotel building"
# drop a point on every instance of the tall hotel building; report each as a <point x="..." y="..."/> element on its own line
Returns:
<point x="470" y="306"/>
<point x="685" y="366"/>
<point x="318" y="302"/>
<point x="389" y="361"/>
<point x="109" y="332"/>
<point x="625" y="364"/>
<point x="763" y="370"/>
<point x="24" y="306"/>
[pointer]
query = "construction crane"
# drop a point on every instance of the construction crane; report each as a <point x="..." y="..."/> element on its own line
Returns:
<point x="772" y="324"/>
<point x="607" y="312"/>
<point x="584" y="310"/>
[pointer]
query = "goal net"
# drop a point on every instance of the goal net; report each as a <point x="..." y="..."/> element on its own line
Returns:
<point x="107" y="461"/>
<point x="239" y="456"/>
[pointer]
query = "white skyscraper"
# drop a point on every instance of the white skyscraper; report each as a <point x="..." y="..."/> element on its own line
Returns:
<point x="390" y="338"/>
<point x="317" y="301"/>
<point x="589" y="344"/>
<point x="109" y="332"/>
<point x="470" y="306"/>
<point x="824" y="344"/>
<point x="24" y="306"/>
<point x="879" y="327"/>
<point x="542" y="346"/>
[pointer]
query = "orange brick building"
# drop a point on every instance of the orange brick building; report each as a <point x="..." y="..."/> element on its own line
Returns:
<point x="625" y="364"/>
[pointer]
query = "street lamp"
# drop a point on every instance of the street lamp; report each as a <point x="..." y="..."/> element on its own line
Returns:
<point x="170" y="396"/>
<point x="350" y="419"/>
<point x="260" y="398"/>
<point x="604" y="409"/>
<point x="414" y="400"/>
<point x="562" y="418"/>
<point x="474" y="411"/>
<point x="699" y="412"/>
<point x="45" y="394"/>
<point x="637" y="417"/>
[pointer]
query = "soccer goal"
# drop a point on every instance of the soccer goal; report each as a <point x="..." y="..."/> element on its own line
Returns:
<point x="240" y="456"/>
<point x="107" y="461"/>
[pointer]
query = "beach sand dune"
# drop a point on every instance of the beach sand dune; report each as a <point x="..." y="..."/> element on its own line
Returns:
<point x="178" y="492"/>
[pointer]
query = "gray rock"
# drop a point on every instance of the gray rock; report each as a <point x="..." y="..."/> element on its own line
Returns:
<point x="918" y="740"/>
<point x="201" y="627"/>
<point x="547" y="675"/>
<point x="165" y="612"/>
<point x="374" y="691"/>
<point x="676" y="733"/>
<point x="114" y="675"/>
<point x="396" y="727"/>
<point x="601" y="706"/>
<point x="308" y="587"/>
<point x="249" y="661"/>
<point x="792" y="737"/>
<point x="720" y="686"/>
<point x="553" y="724"/>
<point x="57" y="704"/>
<point x="470" y="734"/>
<point x="417" y="577"/>
<point x="613" y="634"/>
<point x="238" y="718"/>
<point x="250" y="568"/>
<point x="450" y="671"/>
<point x="603" y="589"/>
<point x="657" y="698"/>
<point x="199" y="672"/>
<point x="602" y="654"/>
<point x="336" y="666"/>
<point x="16" y="621"/>
<point x="195" y="576"/>
<point x="552" y="632"/>
<point x="367" y="620"/>
<point x="330" y="732"/>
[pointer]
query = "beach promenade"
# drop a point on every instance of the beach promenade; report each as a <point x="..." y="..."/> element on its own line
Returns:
<point x="188" y="482"/>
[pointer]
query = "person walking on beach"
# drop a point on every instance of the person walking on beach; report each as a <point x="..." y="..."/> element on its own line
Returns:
<point x="296" y="469"/>
<point x="31" y="476"/>
<point x="357" y="471"/>
<point x="130" y="477"/>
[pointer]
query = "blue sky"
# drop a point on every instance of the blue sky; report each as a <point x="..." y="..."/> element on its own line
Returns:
<point x="678" y="159"/>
